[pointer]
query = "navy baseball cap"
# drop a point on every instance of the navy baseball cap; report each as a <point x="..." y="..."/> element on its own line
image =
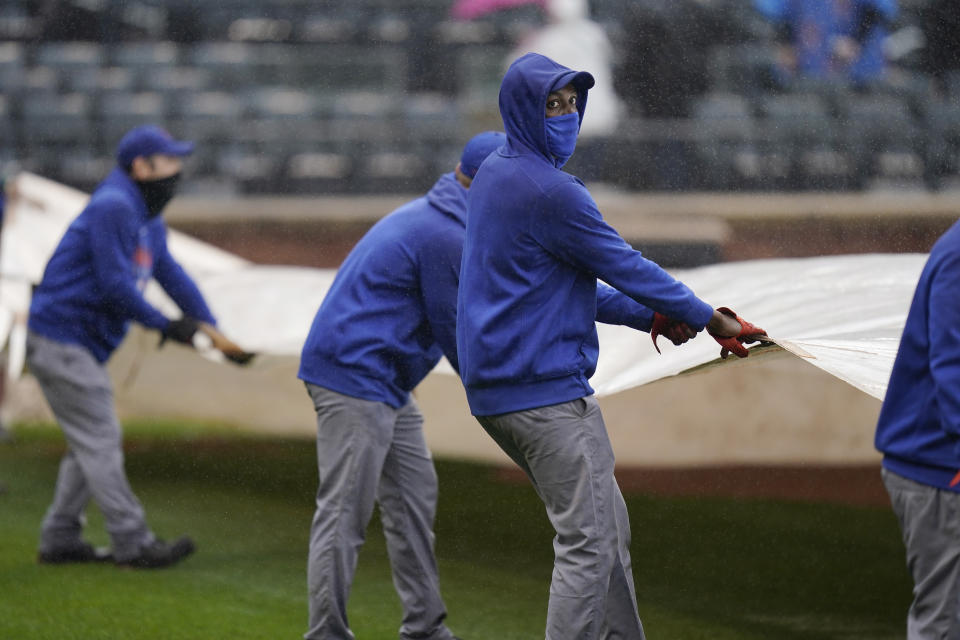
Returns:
<point x="581" y="81"/>
<point x="147" y="140"/>
<point x="477" y="150"/>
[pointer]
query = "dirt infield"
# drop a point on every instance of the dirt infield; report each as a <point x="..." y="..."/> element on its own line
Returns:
<point x="849" y="485"/>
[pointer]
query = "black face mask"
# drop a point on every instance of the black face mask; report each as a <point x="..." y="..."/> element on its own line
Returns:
<point x="157" y="193"/>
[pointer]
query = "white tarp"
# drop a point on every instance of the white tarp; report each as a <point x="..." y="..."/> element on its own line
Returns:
<point x="843" y="314"/>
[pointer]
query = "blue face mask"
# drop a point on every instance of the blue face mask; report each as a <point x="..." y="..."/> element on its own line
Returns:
<point x="562" y="137"/>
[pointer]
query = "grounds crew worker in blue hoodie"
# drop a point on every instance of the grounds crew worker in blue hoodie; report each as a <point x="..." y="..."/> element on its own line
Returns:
<point x="918" y="433"/>
<point x="91" y="289"/>
<point x="526" y="337"/>
<point x="387" y="319"/>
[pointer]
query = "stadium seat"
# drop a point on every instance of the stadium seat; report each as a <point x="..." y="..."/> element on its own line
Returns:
<point x="388" y="27"/>
<point x="69" y="57"/>
<point x="743" y="68"/>
<point x="479" y="71"/>
<point x="431" y="117"/>
<point x="12" y="63"/>
<point x="177" y="82"/>
<point x="82" y="170"/>
<point x="278" y="117"/>
<point x="251" y="172"/>
<point x="7" y="126"/>
<point x="347" y="67"/>
<point x="16" y="23"/>
<point x="40" y="81"/>
<point x="145" y="57"/>
<point x="97" y="81"/>
<point x="391" y="169"/>
<point x="725" y="132"/>
<point x="325" y="28"/>
<point x="942" y="142"/>
<point x="317" y="171"/>
<point x="208" y="116"/>
<point x="117" y="113"/>
<point x="64" y="122"/>
<point x="800" y="128"/>
<point x="230" y="64"/>
<point x="883" y="137"/>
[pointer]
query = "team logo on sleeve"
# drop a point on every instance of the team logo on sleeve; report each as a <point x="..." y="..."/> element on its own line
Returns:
<point x="143" y="261"/>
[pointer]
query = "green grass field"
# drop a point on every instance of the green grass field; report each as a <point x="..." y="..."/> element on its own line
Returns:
<point x="705" y="568"/>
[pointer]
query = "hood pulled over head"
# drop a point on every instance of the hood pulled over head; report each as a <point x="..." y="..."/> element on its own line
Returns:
<point x="523" y="99"/>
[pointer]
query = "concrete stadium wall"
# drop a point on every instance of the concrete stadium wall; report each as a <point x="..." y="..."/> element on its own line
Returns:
<point x="675" y="230"/>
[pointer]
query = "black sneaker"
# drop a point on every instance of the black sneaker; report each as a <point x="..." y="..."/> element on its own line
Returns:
<point x="84" y="552"/>
<point x="160" y="554"/>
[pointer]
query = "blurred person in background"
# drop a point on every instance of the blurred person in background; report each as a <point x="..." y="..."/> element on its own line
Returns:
<point x="918" y="433"/>
<point x="530" y="294"/>
<point x="831" y="39"/>
<point x="385" y="323"/>
<point x="571" y="37"/>
<point x="92" y="288"/>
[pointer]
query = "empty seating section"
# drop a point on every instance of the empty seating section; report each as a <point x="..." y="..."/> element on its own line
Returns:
<point x="352" y="96"/>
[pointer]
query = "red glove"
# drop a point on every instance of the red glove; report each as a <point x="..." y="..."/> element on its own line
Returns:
<point x="675" y="331"/>
<point x="734" y="344"/>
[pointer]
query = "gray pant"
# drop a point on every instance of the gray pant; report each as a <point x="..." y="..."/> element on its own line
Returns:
<point x="78" y="390"/>
<point x="565" y="451"/>
<point x="930" y="522"/>
<point x="370" y="452"/>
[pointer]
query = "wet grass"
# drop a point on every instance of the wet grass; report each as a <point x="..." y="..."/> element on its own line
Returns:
<point x="705" y="567"/>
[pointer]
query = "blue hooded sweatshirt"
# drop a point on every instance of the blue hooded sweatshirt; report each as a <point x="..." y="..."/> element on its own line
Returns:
<point x="93" y="284"/>
<point x="391" y="311"/>
<point x="535" y="247"/>
<point x="919" y="426"/>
